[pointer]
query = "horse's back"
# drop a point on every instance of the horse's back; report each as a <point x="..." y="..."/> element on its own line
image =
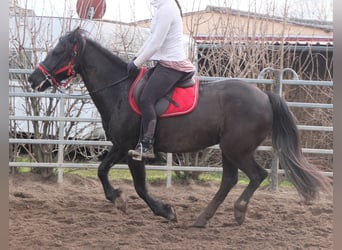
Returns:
<point x="226" y="110"/>
<point x="237" y="98"/>
<point x="236" y="89"/>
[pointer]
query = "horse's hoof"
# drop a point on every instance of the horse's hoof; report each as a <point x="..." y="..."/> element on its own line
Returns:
<point x="173" y="215"/>
<point x="240" y="210"/>
<point x="239" y="216"/>
<point x="121" y="202"/>
<point x="199" y="223"/>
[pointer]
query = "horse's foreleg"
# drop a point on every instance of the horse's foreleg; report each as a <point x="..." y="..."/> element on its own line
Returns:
<point x="114" y="195"/>
<point x="229" y="179"/>
<point x="138" y="172"/>
<point x="256" y="175"/>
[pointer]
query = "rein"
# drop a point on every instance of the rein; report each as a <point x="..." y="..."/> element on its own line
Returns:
<point x="100" y="89"/>
<point x="110" y="85"/>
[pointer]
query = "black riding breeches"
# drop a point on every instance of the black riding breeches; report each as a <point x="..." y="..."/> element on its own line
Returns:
<point x="161" y="81"/>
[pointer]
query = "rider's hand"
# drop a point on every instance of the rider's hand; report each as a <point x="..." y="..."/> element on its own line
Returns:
<point x="131" y="67"/>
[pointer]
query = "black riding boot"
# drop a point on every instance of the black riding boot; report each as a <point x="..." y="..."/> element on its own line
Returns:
<point x="144" y="149"/>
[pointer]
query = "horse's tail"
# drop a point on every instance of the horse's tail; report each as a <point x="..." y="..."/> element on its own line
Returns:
<point x="307" y="179"/>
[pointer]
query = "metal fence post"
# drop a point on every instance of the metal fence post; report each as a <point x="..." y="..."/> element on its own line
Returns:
<point x="278" y="86"/>
<point x="168" y="171"/>
<point x="61" y="138"/>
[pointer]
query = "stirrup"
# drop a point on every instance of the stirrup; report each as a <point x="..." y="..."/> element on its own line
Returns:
<point x="144" y="149"/>
<point x="136" y="153"/>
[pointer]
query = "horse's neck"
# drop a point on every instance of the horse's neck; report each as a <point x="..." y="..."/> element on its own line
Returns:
<point x="99" y="68"/>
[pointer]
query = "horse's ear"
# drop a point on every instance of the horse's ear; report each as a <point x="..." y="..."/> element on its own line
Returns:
<point x="77" y="33"/>
<point x="78" y="38"/>
<point x="77" y="30"/>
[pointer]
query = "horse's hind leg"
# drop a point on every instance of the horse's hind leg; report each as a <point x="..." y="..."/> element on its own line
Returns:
<point x="138" y="173"/>
<point x="256" y="175"/>
<point x="111" y="194"/>
<point x="229" y="179"/>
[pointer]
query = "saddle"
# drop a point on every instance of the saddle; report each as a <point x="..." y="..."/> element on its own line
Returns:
<point x="180" y="100"/>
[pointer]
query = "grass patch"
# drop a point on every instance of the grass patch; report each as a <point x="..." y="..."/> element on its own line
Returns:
<point x="23" y="159"/>
<point x="24" y="169"/>
<point x="158" y="176"/>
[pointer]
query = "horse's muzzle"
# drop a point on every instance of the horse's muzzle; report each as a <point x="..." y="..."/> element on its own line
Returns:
<point x="38" y="81"/>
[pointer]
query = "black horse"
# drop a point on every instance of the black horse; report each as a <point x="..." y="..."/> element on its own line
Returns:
<point x="231" y="113"/>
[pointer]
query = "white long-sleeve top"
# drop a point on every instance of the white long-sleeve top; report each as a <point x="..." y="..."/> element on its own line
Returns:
<point x="165" y="42"/>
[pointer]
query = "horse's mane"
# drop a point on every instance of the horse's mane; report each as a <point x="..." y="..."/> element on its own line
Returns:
<point x="80" y="37"/>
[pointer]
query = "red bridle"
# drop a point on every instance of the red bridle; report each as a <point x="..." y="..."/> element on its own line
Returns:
<point x="69" y="69"/>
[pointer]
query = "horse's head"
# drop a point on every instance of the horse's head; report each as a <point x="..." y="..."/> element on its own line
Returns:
<point x="59" y="64"/>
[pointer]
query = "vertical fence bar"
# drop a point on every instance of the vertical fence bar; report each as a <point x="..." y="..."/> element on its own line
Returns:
<point x="60" y="137"/>
<point x="278" y="75"/>
<point x="168" y="171"/>
<point x="274" y="172"/>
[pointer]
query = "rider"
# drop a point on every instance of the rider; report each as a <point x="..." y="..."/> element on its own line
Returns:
<point x="164" y="45"/>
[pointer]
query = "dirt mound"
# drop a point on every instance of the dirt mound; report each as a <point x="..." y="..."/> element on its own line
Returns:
<point x="76" y="215"/>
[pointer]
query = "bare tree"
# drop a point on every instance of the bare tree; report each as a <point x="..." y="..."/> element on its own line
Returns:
<point x="241" y="44"/>
<point x="30" y="39"/>
<point x="236" y="44"/>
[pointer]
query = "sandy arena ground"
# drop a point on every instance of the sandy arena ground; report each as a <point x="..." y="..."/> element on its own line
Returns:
<point x="76" y="215"/>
